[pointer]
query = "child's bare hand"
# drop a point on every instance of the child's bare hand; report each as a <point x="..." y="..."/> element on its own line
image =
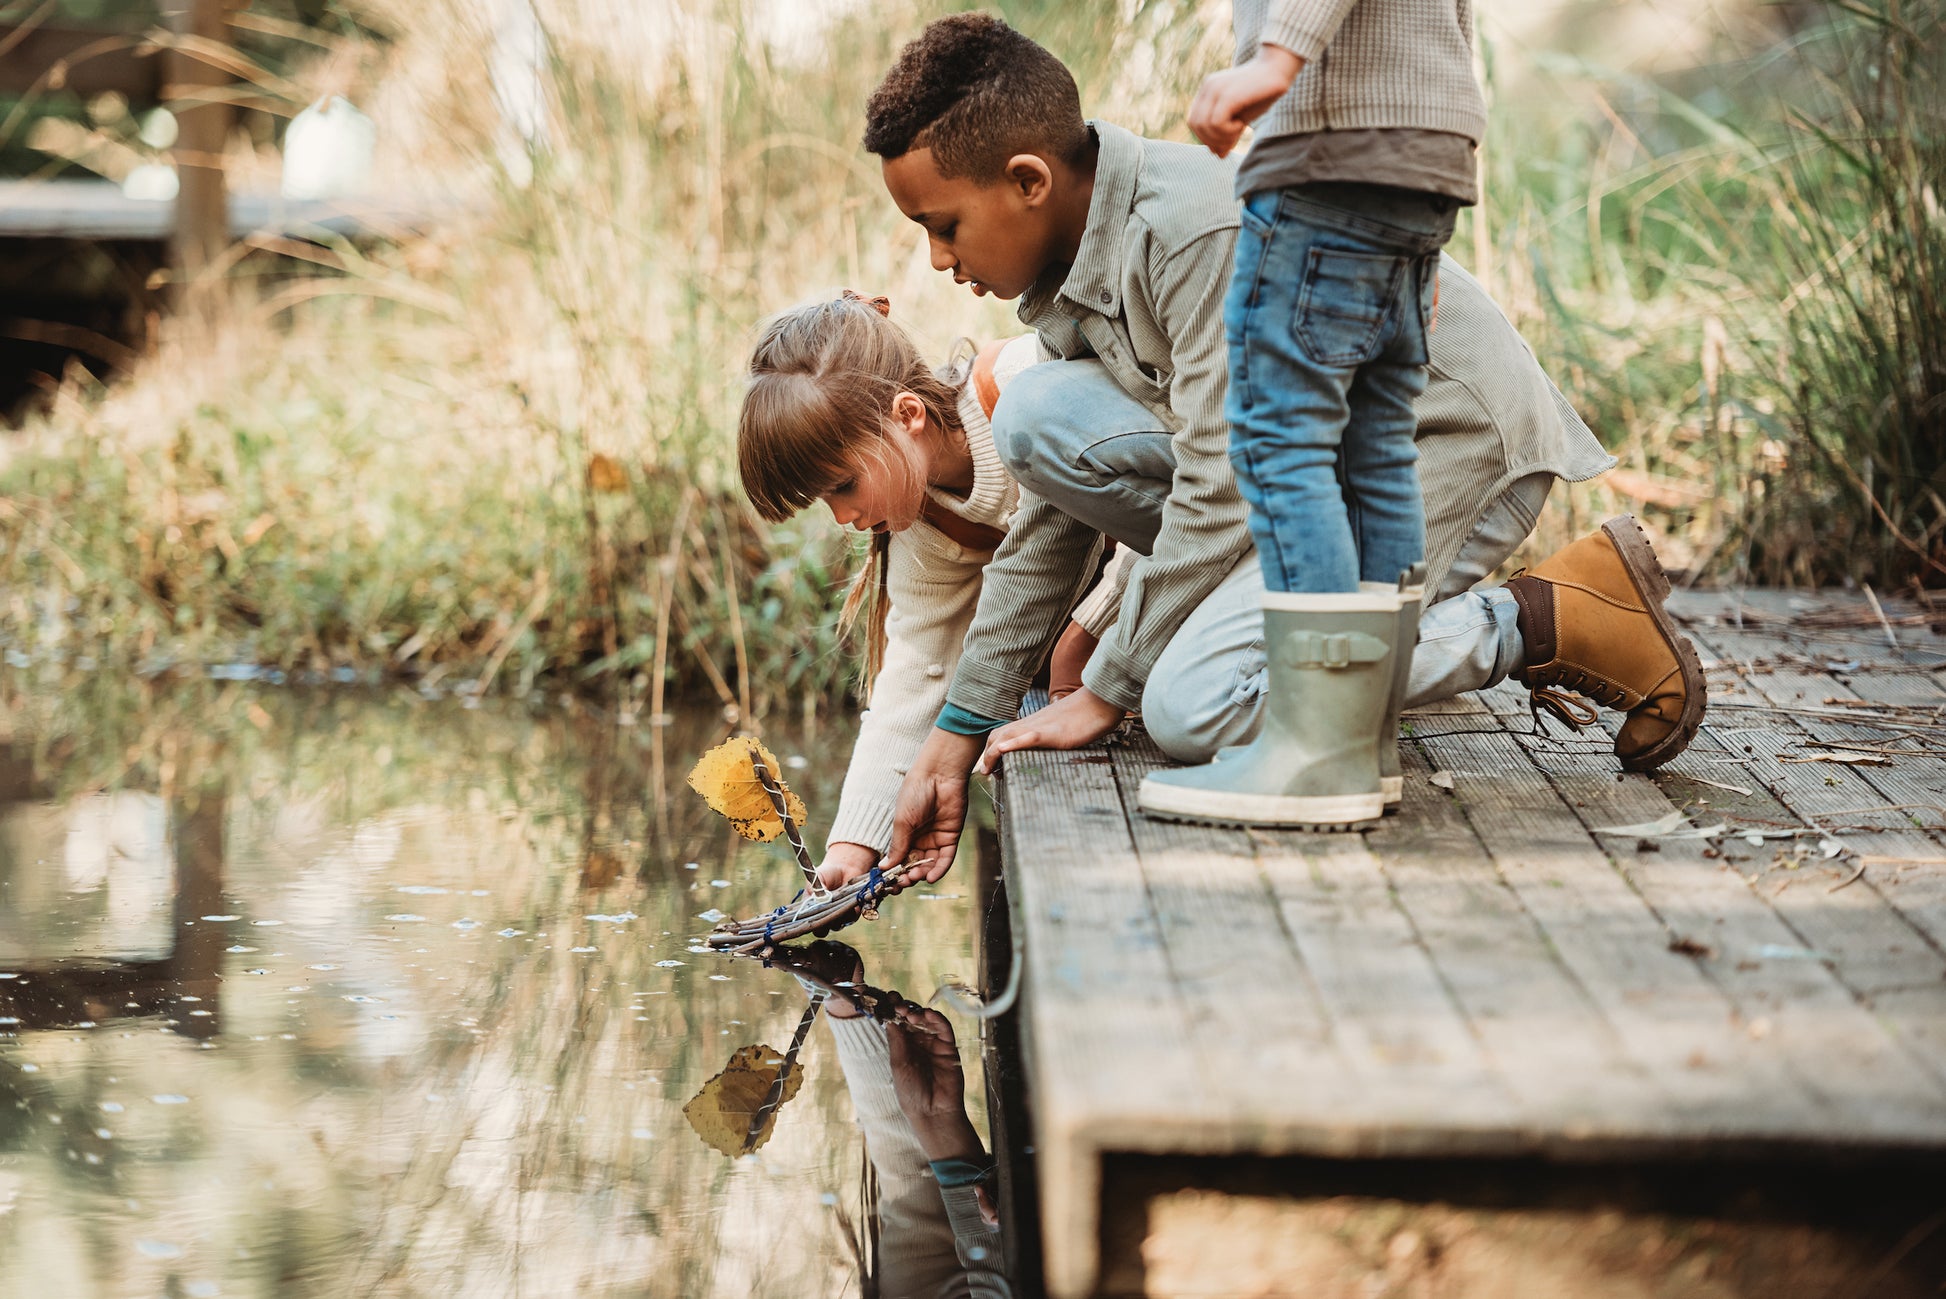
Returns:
<point x="931" y="811"/>
<point x="1235" y="97"/>
<point x="845" y="862"/>
<point x="1072" y="723"/>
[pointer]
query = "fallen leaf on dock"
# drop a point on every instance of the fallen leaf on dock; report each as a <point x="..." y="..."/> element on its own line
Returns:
<point x="1717" y="784"/>
<point x="1673" y="826"/>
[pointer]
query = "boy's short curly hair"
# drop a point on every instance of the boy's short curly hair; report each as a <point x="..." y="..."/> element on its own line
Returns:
<point x="976" y="92"/>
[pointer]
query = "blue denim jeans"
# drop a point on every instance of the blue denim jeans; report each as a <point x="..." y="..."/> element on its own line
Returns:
<point x="1327" y="317"/>
<point x="1069" y="433"/>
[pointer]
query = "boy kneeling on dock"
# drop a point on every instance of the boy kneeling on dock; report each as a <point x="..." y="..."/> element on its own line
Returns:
<point x="1120" y="251"/>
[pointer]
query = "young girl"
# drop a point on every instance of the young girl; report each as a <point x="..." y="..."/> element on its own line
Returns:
<point x="842" y="408"/>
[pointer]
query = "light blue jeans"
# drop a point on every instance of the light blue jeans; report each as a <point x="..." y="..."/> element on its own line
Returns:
<point x="1327" y="319"/>
<point x="1071" y="435"/>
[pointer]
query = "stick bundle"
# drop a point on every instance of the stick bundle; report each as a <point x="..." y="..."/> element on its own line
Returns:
<point x="810" y="913"/>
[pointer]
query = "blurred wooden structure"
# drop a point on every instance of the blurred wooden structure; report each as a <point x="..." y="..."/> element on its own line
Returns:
<point x="1538" y="965"/>
<point x="91" y="986"/>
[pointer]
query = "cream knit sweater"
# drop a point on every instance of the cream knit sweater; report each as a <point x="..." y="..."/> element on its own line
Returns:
<point x="934" y="585"/>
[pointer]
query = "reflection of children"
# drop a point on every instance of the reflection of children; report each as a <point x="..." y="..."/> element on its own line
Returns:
<point x="842" y="408"/>
<point x="938" y="1229"/>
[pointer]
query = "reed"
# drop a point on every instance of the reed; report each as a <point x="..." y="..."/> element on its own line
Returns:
<point x="498" y="457"/>
<point x="501" y="455"/>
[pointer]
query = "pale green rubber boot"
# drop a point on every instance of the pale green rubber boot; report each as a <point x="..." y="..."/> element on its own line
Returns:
<point x="1412" y="595"/>
<point x="1314" y="763"/>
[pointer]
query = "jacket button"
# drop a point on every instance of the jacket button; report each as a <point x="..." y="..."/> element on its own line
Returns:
<point x="1106" y="297"/>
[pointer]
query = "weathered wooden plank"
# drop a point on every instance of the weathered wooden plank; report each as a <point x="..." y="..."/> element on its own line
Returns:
<point x="1672" y="1019"/>
<point x="1550" y="1042"/>
<point x="1401" y="1032"/>
<point x="1787" y="1002"/>
<point x="1354" y="1071"/>
<point x="1825" y="793"/>
<point x="1249" y="998"/>
<point x="1871" y="944"/>
<point x="1105" y="1031"/>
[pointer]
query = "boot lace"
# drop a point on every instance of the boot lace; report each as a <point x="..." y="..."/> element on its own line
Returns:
<point x="1572" y="710"/>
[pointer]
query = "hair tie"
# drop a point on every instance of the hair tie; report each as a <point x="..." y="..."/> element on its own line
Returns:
<point x="880" y="304"/>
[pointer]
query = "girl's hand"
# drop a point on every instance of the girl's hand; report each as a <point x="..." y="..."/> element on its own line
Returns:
<point x="845" y="862"/>
<point x="1073" y="723"/>
<point x="1235" y="97"/>
<point x="931" y="812"/>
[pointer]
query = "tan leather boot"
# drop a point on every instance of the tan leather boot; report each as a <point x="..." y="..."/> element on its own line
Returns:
<point x="1592" y="618"/>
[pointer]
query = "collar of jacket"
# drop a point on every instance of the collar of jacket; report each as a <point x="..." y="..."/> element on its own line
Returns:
<point x="1094" y="281"/>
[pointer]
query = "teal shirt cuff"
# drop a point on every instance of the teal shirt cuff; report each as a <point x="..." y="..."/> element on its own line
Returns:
<point x="960" y="722"/>
<point x="962" y="1172"/>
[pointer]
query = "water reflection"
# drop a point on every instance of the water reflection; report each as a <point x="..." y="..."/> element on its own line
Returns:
<point x="934" y="1218"/>
<point x="334" y="996"/>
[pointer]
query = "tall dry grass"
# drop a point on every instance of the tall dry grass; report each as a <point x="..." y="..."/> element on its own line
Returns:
<point x="1732" y="269"/>
<point x="502" y="454"/>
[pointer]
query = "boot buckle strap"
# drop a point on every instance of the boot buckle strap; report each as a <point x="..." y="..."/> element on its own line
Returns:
<point x="1316" y="649"/>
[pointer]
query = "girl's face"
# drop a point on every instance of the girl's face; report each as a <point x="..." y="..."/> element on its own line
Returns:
<point x="883" y="494"/>
<point x="887" y="486"/>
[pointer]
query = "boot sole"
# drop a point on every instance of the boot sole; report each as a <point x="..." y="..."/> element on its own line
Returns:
<point x="1652" y="584"/>
<point x="1290" y="812"/>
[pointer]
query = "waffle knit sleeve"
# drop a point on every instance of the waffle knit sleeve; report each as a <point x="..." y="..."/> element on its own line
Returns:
<point x="1305" y="27"/>
<point x="934" y="586"/>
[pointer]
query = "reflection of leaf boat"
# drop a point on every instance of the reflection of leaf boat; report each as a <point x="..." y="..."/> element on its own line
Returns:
<point x="811" y="963"/>
<point x="736" y="1111"/>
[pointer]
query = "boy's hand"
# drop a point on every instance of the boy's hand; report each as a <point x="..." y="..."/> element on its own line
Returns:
<point x="931" y="811"/>
<point x="845" y="862"/>
<point x="1235" y="97"/>
<point x="1072" y="723"/>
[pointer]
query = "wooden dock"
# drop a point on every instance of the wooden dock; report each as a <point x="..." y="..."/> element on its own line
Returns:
<point x="97" y="209"/>
<point x="1500" y="973"/>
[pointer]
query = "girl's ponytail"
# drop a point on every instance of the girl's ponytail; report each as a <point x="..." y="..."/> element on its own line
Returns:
<point x="869" y="597"/>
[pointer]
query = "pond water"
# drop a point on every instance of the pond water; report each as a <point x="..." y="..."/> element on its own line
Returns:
<point x="366" y="994"/>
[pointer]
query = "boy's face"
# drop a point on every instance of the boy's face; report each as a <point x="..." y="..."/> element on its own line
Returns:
<point x="993" y="236"/>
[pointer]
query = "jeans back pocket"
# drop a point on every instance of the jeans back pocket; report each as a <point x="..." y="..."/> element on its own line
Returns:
<point x="1344" y="303"/>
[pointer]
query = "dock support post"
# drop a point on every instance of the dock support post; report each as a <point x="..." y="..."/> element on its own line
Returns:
<point x="202" y="211"/>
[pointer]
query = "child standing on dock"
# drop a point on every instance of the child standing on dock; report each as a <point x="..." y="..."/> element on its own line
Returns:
<point x="1120" y="250"/>
<point x="1369" y="120"/>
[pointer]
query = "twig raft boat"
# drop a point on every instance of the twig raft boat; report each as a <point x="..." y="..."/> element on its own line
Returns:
<point x="815" y="910"/>
<point x="739" y="779"/>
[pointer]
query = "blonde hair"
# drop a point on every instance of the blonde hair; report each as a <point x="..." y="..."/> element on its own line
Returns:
<point x="823" y="379"/>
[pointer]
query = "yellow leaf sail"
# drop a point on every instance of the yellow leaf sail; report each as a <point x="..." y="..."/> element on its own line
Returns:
<point x="725" y="1112"/>
<point x="727" y="781"/>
